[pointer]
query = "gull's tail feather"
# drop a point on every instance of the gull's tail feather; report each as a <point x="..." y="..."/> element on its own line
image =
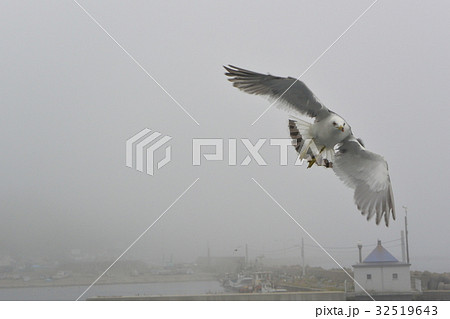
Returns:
<point x="305" y="145"/>
<point x="299" y="131"/>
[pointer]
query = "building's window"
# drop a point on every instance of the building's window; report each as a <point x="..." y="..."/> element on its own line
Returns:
<point x="369" y="276"/>
<point x="394" y="276"/>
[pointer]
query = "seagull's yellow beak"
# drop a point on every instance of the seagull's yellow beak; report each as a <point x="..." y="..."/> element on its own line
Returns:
<point x="341" y="128"/>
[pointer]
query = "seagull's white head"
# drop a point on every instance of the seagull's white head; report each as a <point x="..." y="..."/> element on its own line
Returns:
<point x="339" y="123"/>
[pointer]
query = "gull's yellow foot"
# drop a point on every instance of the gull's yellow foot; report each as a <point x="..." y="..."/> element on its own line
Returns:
<point x="311" y="162"/>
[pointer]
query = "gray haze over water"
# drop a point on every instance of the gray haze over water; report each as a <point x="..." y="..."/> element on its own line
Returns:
<point x="70" y="98"/>
<point x="72" y="292"/>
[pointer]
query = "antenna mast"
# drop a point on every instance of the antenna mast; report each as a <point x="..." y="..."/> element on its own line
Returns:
<point x="406" y="233"/>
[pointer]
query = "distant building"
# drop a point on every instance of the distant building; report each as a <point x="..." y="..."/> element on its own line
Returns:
<point x="381" y="272"/>
<point x="229" y="264"/>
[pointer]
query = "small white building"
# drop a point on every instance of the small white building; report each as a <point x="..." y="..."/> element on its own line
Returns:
<point x="381" y="272"/>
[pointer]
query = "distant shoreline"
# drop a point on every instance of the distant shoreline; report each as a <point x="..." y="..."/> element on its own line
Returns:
<point x="83" y="281"/>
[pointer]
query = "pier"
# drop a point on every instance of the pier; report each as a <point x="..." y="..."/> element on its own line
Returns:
<point x="277" y="296"/>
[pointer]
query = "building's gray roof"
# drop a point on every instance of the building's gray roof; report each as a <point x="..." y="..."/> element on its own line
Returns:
<point x="380" y="255"/>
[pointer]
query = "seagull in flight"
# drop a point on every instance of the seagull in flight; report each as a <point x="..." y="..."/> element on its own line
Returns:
<point x="327" y="142"/>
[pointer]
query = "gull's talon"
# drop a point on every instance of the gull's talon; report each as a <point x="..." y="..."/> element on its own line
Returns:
<point x="311" y="162"/>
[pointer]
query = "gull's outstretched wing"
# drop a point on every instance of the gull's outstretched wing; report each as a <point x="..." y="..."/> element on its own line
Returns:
<point x="368" y="174"/>
<point x="291" y="92"/>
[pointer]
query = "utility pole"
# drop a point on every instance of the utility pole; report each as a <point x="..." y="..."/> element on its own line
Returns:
<point x="402" y="238"/>
<point x="208" y="254"/>
<point x="360" y="251"/>
<point x="246" y="254"/>
<point x="406" y="233"/>
<point x="303" y="258"/>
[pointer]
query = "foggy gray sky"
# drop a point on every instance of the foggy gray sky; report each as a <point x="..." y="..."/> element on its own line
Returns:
<point x="70" y="98"/>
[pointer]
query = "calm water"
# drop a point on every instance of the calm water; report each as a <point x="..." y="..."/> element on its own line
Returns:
<point x="72" y="292"/>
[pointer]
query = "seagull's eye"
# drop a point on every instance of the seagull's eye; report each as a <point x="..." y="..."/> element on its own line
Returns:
<point x="334" y="123"/>
<point x="343" y="124"/>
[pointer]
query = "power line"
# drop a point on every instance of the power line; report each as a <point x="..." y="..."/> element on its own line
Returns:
<point x="298" y="247"/>
<point x="352" y="247"/>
